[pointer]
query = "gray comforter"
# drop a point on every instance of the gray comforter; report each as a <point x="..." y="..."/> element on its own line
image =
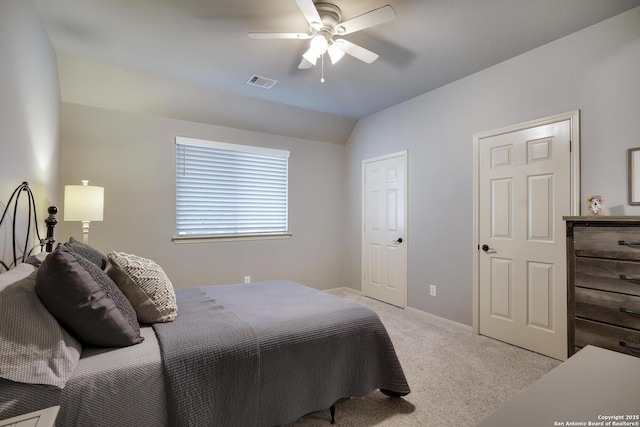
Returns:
<point x="265" y="354"/>
<point x="211" y="360"/>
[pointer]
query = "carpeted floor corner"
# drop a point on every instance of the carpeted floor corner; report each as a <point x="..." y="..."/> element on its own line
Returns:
<point x="456" y="377"/>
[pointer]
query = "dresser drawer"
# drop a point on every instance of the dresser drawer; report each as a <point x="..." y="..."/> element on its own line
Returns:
<point x="608" y="307"/>
<point x="604" y="242"/>
<point x="608" y="275"/>
<point x="607" y="336"/>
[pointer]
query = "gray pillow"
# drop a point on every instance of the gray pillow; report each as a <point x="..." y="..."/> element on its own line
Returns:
<point x="146" y="286"/>
<point x="86" y="301"/>
<point x="34" y="349"/>
<point x="36" y="259"/>
<point x="18" y="273"/>
<point x="90" y="253"/>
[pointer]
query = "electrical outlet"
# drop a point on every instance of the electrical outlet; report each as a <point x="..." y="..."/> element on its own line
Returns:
<point x="247" y="279"/>
<point x="432" y="290"/>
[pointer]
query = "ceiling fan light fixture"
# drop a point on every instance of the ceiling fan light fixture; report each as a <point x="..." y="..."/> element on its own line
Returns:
<point x="317" y="48"/>
<point x="319" y="44"/>
<point x="335" y="53"/>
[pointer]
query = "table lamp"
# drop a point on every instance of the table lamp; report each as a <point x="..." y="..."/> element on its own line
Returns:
<point x="83" y="203"/>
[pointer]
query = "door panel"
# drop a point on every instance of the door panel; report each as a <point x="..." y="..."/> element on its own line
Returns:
<point x="501" y="280"/>
<point x="540" y="218"/>
<point x="541" y="290"/>
<point x="501" y="202"/>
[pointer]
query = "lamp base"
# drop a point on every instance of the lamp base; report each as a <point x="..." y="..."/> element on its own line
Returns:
<point x="85" y="232"/>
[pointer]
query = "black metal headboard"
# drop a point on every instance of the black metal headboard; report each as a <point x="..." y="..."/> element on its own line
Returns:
<point x="50" y="222"/>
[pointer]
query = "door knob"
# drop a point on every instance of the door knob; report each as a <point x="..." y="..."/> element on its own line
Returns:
<point x="398" y="241"/>
<point x="488" y="250"/>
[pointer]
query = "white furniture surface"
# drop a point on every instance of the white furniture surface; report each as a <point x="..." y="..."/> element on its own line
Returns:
<point x="591" y="385"/>
<point x="43" y="418"/>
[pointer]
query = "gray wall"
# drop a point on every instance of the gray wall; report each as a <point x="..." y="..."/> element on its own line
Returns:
<point x="88" y="82"/>
<point x="596" y="70"/>
<point x="132" y="155"/>
<point x="29" y="109"/>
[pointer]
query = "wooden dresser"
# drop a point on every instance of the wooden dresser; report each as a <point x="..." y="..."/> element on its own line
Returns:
<point x="603" y="283"/>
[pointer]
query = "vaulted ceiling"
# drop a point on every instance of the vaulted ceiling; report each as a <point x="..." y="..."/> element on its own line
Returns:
<point x="429" y="44"/>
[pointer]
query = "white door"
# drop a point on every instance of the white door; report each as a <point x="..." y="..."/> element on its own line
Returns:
<point x="524" y="190"/>
<point x="384" y="248"/>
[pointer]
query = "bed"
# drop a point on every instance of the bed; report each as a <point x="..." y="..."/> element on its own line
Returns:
<point x="258" y="354"/>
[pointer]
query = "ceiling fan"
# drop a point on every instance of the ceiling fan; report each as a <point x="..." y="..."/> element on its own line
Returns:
<point x="325" y="28"/>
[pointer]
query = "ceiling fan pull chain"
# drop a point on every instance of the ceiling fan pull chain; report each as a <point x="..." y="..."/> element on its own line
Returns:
<point x="322" y="64"/>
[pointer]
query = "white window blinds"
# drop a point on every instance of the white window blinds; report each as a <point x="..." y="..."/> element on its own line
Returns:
<point x="230" y="190"/>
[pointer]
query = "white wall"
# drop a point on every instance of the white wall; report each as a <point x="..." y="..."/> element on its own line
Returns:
<point x="596" y="70"/>
<point x="29" y="109"/>
<point x="132" y="155"/>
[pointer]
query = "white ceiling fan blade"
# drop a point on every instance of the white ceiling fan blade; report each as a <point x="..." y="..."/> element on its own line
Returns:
<point x="304" y="64"/>
<point x="310" y="13"/>
<point x="356" y="51"/>
<point x="297" y="36"/>
<point x="369" y="19"/>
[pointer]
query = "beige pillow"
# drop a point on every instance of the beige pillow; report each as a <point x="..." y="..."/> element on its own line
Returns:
<point x="145" y="285"/>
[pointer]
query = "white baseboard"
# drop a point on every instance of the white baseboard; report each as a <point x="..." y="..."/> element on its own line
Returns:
<point x="441" y="319"/>
<point x="407" y="309"/>
<point x="343" y="289"/>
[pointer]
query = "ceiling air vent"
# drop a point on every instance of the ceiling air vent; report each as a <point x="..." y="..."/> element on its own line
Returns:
<point x="262" y="82"/>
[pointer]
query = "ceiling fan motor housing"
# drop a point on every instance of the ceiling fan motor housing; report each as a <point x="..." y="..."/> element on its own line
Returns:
<point x="331" y="16"/>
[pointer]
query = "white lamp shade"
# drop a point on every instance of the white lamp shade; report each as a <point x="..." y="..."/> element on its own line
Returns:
<point x="83" y="203"/>
<point x="319" y="44"/>
<point x="311" y="56"/>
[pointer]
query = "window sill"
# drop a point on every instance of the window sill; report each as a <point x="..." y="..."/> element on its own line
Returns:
<point x="229" y="238"/>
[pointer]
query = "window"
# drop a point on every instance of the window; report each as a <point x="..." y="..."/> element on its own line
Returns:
<point x="229" y="190"/>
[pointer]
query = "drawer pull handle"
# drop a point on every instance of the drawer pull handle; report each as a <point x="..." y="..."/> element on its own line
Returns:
<point x="627" y="311"/>
<point x="628" y="243"/>
<point x="630" y="347"/>
<point x="629" y="278"/>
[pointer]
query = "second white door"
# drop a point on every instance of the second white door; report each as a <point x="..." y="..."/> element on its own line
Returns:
<point x="384" y="248"/>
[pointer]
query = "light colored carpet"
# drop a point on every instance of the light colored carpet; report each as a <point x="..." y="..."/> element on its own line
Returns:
<point x="456" y="377"/>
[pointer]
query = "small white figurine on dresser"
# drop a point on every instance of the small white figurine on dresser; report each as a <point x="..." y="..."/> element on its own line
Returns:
<point x="595" y="205"/>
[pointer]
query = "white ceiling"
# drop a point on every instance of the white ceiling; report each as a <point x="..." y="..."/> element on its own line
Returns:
<point x="430" y="43"/>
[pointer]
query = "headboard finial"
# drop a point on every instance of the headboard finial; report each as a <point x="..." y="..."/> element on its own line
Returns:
<point x="51" y="222"/>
